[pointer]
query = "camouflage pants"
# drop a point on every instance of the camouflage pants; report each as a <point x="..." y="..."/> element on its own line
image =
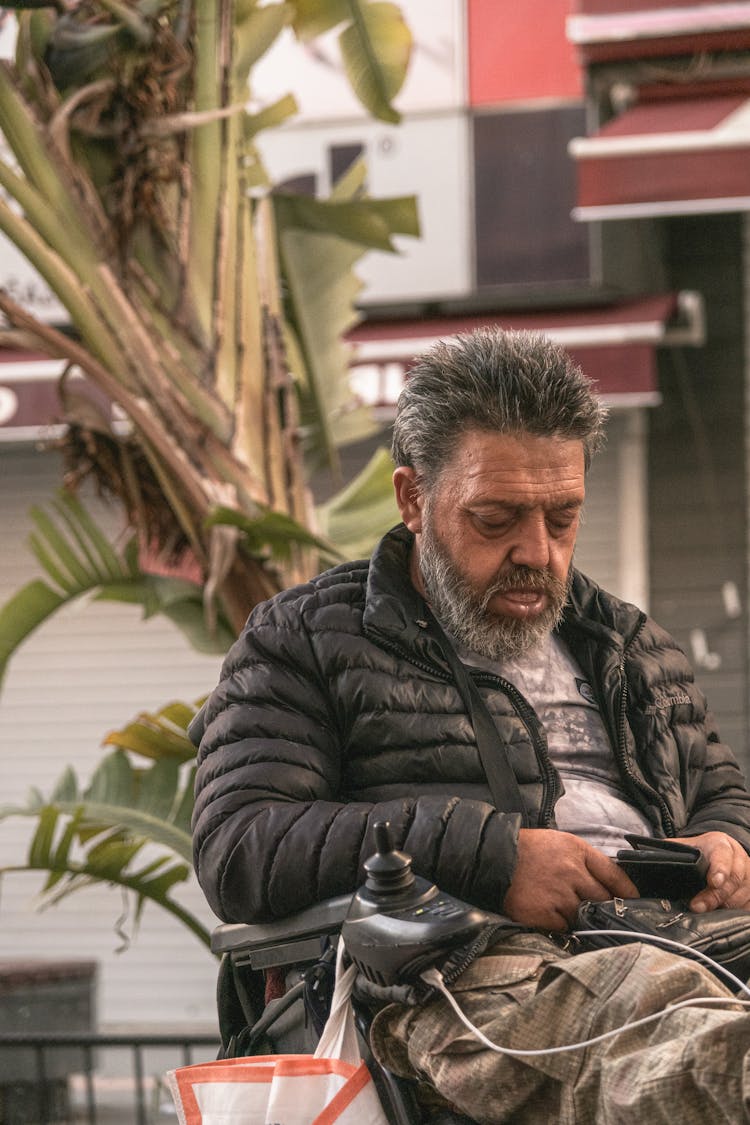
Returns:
<point x="691" y="1066"/>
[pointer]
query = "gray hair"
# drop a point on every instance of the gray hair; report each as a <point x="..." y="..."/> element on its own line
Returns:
<point x="496" y="381"/>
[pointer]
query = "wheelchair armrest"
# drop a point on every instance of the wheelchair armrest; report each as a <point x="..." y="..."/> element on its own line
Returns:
<point x="285" y="941"/>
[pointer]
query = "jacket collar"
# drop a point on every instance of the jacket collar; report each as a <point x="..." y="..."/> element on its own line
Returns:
<point x="604" y="617"/>
<point x="395" y="611"/>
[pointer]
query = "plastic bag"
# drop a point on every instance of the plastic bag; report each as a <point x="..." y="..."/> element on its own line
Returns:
<point x="331" y="1086"/>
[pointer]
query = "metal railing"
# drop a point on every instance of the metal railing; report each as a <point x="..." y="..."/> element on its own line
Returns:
<point x="42" y="1097"/>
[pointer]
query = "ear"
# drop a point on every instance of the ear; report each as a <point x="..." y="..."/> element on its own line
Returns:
<point x="408" y="497"/>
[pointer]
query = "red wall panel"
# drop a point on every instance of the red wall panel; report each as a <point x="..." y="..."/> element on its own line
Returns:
<point x="519" y="51"/>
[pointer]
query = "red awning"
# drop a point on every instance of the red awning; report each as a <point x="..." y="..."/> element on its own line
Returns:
<point x="676" y="156"/>
<point x="608" y="30"/>
<point x="614" y="344"/>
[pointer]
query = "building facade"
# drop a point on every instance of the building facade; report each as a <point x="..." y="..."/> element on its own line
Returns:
<point x="549" y="146"/>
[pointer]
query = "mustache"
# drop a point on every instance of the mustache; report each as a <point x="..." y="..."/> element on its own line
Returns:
<point x="527" y="578"/>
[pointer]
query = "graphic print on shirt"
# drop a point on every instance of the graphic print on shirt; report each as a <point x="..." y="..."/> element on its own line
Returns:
<point x="594" y="805"/>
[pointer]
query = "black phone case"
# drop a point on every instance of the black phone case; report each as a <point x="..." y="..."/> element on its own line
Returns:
<point x="662" y="868"/>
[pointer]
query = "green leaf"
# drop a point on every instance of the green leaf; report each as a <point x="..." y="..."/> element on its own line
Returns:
<point x="157" y="798"/>
<point x="322" y="289"/>
<point x="66" y="789"/>
<point x="366" y="222"/>
<point x="254" y="34"/>
<point x="375" y="46"/>
<point x="362" y="512"/>
<point x="69" y="554"/>
<point x="314" y="17"/>
<point x="111" y="855"/>
<point x="179" y="715"/>
<point x="88" y="535"/>
<point x="182" y="812"/>
<point x="62" y="851"/>
<point x="274" y="531"/>
<point x="113" y="782"/>
<point x="376" y="49"/>
<point x="26" y="610"/>
<point x="117" y="804"/>
<point x="269" y="117"/>
<point x="189" y="617"/>
<point x="79" y="560"/>
<point x="157" y="736"/>
<point x="40" y="849"/>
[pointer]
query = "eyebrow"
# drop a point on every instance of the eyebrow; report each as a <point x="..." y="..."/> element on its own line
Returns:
<point x="509" y="506"/>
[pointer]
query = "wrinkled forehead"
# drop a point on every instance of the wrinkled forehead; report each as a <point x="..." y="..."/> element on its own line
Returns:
<point x="488" y="465"/>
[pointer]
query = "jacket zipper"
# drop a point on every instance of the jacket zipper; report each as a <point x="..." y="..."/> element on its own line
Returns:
<point x="397" y="650"/>
<point x="530" y="720"/>
<point x="621" y="742"/>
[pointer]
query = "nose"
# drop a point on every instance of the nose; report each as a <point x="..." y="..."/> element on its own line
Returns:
<point x="532" y="545"/>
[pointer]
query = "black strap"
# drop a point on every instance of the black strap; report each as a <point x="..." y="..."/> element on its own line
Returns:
<point x="501" y="779"/>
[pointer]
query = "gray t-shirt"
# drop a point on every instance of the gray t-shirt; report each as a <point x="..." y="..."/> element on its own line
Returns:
<point x="594" y="804"/>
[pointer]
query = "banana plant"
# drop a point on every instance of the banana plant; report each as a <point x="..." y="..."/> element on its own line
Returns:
<point x="78" y="561"/>
<point x="98" y="833"/>
<point x="205" y="306"/>
<point x="172" y="264"/>
<point x="209" y="309"/>
<point x="129" y="827"/>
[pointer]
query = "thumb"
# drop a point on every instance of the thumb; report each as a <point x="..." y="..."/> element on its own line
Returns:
<point x="610" y="875"/>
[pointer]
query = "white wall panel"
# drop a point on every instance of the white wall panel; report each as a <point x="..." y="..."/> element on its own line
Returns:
<point x="612" y="544"/>
<point x="436" y="78"/>
<point x="89" y="671"/>
<point x="427" y="157"/>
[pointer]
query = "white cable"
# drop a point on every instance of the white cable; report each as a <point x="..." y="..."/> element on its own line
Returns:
<point x="671" y="944"/>
<point x="434" y="978"/>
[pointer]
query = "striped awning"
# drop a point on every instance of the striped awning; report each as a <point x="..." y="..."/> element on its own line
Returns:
<point x="614" y="344"/>
<point x="670" y="156"/>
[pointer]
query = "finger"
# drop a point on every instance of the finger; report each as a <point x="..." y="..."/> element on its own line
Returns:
<point x="611" y="877"/>
<point x="592" y="890"/>
<point x="728" y="895"/>
<point x="725" y="868"/>
<point x="734" y="892"/>
<point x="704" y="902"/>
<point x="560" y="922"/>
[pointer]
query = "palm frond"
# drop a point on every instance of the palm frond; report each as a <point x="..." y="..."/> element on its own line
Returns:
<point x="78" y="560"/>
<point x="127" y="828"/>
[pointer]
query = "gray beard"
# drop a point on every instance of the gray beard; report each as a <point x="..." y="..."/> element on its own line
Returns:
<point x="462" y="610"/>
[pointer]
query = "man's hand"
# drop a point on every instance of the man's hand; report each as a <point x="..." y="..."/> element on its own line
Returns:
<point x="728" y="875"/>
<point x="556" y="872"/>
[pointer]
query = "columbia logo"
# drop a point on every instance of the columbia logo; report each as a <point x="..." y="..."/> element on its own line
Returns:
<point x="662" y="702"/>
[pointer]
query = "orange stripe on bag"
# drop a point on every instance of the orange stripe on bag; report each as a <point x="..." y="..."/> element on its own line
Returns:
<point x="332" y="1086"/>
<point x="345" y="1097"/>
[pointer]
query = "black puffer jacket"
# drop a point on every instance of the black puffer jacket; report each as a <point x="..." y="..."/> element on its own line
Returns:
<point x="336" y="708"/>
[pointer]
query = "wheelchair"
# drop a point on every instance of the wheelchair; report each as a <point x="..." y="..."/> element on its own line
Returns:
<point x="297" y="954"/>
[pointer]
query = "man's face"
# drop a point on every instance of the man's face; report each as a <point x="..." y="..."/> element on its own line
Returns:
<point x="495" y="538"/>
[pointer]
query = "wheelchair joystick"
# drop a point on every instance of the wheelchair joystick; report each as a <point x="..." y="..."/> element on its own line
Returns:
<point x="399" y="923"/>
<point x="389" y="872"/>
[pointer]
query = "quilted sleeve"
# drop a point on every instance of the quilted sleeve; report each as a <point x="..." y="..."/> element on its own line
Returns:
<point x="721" y="802"/>
<point x="271" y="834"/>
<point x="696" y="774"/>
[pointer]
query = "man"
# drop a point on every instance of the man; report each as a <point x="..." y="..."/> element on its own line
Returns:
<point x="338" y="707"/>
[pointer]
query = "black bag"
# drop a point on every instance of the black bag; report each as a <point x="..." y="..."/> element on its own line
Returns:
<point x="722" y="935"/>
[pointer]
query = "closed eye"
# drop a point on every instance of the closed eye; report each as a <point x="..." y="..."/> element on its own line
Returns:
<point x="562" y="521"/>
<point x="493" y="524"/>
